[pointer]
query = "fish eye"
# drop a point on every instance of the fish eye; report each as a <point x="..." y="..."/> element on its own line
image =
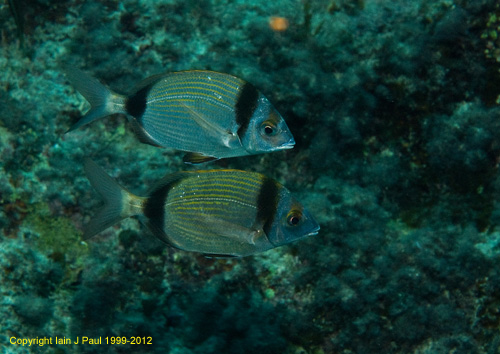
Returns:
<point x="268" y="129"/>
<point x="294" y="218"/>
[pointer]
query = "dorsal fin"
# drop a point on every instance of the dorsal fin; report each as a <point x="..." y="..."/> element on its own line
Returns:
<point x="149" y="81"/>
<point x="168" y="181"/>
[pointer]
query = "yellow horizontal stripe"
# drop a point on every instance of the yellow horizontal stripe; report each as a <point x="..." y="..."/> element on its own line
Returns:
<point x="212" y="85"/>
<point x="214" y="213"/>
<point x="154" y="100"/>
<point x="213" y="199"/>
<point x="175" y="117"/>
<point x="215" y="190"/>
<point x="189" y="95"/>
<point x="198" y="201"/>
<point x="196" y="236"/>
<point x="181" y="108"/>
<point x="227" y="188"/>
<point x="201" y="237"/>
<point x="229" y="171"/>
<point x="202" y="86"/>
<point x="201" y="196"/>
<point x="162" y="106"/>
<point x="163" y="110"/>
<point x="193" y="75"/>
<point x="189" y="233"/>
<point x="179" y="211"/>
<point x="224" y="176"/>
<point x="222" y="210"/>
<point x="230" y="176"/>
<point x="188" y="217"/>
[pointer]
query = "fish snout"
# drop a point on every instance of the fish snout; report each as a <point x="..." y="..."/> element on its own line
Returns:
<point x="288" y="145"/>
<point x="313" y="233"/>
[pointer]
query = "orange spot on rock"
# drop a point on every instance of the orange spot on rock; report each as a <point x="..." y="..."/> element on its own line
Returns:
<point x="278" y="24"/>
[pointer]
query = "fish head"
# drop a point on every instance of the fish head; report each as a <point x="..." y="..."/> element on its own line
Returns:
<point x="267" y="130"/>
<point x="292" y="221"/>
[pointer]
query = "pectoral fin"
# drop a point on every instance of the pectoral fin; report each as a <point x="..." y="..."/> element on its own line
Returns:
<point x="226" y="137"/>
<point x="239" y="233"/>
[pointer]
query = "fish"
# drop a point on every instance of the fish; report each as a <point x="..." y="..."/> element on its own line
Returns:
<point x="218" y="213"/>
<point x="209" y="115"/>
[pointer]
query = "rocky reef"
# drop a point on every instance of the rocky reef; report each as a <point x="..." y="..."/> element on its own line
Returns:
<point x="394" y="106"/>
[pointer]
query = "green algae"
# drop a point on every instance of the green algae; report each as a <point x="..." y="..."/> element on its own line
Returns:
<point x="58" y="237"/>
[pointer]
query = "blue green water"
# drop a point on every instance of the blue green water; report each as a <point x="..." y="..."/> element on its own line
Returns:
<point x="394" y="106"/>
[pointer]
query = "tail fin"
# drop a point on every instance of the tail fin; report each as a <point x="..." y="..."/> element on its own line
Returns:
<point x="103" y="101"/>
<point x="119" y="204"/>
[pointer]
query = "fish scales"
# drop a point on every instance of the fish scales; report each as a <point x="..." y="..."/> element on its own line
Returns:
<point x="237" y="189"/>
<point x="220" y="90"/>
<point x="207" y="114"/>
<point x="189" y="88"/>
<point x="172" y="101"/>
<point x="226" y="198"/>
<point x="226" y="195"/>
<point x="214" y="96"/>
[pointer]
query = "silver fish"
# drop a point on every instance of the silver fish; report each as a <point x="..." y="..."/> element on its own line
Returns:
<point x="208" y="114"/>
<point x="225" y="213"/>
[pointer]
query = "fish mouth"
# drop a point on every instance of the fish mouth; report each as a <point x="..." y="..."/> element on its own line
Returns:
<point x="312" y="233"/>
<point x="288" y="145"/>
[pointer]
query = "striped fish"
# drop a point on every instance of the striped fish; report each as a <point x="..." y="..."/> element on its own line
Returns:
<point x="208" y="114"/>
<point x="225" y="213"/>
